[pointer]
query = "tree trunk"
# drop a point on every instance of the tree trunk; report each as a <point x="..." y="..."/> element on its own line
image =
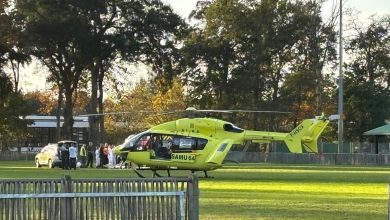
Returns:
<point x="68" y="113"/>
<point x="58" y="115"/>
<point x="100" y="104"/>
<point x="93" y="120"/>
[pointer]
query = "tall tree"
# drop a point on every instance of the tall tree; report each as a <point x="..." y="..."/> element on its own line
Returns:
<point x="144" y="31"/>
<point x="75" y="37"/>
<point x="12" y="110"/>
<point x="55" y="33"/>
<point x="9" y="44"/>
<point x="367" y="79"/>
<point x="243" y="51"/>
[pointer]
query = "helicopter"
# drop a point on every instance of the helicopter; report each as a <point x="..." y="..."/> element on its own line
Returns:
<point x="202" y="144"/>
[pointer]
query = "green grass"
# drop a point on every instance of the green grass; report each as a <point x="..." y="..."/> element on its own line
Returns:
<point x="259" y="191"/>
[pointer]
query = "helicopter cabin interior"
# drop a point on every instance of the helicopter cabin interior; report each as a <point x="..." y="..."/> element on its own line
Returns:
<point x="164" y="146"/>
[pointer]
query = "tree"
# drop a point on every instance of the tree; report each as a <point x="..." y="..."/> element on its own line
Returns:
<point x="55" y="33"/>
<point x="73" y="38"/>
<point x="141" y="108"/>
<point x="134" y="31"/>
<point x="12" y="111"/>
<point x="5" y="46"/>
<point x="9" y="44"/>
<point x="244" y="52"/>
<point x="367" y="79"/>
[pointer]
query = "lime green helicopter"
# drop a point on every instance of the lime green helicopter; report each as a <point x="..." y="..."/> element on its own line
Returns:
<point x="202" y="144"/>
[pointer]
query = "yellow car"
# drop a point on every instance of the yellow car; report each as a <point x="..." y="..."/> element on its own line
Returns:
<point x="50" y="155"/>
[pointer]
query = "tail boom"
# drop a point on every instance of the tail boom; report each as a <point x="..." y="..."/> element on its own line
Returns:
<point x="304" y="136"/>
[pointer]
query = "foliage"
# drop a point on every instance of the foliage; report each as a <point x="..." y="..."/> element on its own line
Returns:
<point x="244" y="52"/>
<point x="9" y="42"/>
<point x="58" y="43"/>
<point x="12" y="109"/>
<point x="45" y="102"/>
<point x="141" y="108"/>
<point x="166" y="101"/>
<point x="238" y="54"/>
<point x="41" y="102"/>
<point x="367" y="79"/>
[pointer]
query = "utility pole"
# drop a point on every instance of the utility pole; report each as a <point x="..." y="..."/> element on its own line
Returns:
<point x="341" y="90"/>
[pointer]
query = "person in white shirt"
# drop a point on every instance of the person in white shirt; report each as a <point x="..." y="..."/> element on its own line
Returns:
<point x="97" y="156"/>
<point x="73" y="156"/>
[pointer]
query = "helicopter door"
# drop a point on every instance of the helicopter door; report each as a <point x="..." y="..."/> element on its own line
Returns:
<point x="161" y="146"/>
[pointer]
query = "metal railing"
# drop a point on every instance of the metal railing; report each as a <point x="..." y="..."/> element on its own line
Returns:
<point x="158" y="198"/>
<point x="360" y="159"/>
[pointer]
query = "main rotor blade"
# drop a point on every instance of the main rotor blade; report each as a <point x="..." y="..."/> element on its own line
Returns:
<point x="256" y="111"/>
<point x="116" y="113"/>
<point x="212" y="110"/>
<point x="239" y="110"/>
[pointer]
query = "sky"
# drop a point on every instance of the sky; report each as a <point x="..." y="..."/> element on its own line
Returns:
<point x="365" y="8"/>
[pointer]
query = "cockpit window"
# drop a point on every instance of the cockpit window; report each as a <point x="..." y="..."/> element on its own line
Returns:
<point x="131" y="141"/>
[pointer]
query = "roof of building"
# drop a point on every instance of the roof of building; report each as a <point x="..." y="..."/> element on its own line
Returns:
<point x="40" y="121"/>
<point x="383" y="130"/>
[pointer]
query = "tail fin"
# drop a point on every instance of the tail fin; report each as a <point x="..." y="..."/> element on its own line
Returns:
<point x="306" y="134"/>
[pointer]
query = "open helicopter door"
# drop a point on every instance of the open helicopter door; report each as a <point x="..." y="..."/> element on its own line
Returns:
<point x="220" y="153"/>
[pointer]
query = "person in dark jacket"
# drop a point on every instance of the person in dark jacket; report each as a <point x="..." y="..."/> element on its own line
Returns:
<point x="90" y="156"/>
<point x="64" y="156"/>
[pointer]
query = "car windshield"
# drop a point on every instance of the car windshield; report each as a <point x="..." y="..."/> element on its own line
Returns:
<point x="131" y="141"/>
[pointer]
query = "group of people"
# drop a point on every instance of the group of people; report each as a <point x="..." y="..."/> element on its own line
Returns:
<point x="68" y="154"/>
<point x="104" y="156"/>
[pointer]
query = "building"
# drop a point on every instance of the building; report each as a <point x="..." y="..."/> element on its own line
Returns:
<point x="43" y="130"/>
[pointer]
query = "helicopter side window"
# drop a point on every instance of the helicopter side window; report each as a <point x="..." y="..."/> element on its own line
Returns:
<point x="131" y="142"/>
<point x="201" y="144"/>
<point x="143" y="143"/>
<point x="161" y="145"/>
<point x="187" y="144"/>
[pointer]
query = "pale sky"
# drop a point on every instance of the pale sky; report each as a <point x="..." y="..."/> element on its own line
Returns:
<point x="365" y="8"/>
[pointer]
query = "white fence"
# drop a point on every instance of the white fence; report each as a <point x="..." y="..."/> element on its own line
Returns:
<point x="63" y="199"/>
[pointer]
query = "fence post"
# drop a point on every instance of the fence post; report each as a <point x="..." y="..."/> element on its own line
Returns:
<point x="193" y="197"/>
<point x="66" y="203"/>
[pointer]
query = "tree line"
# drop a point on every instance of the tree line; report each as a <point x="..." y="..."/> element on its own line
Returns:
<point x="229" y="54"/>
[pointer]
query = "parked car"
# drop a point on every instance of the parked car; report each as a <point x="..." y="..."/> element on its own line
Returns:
<point x="50" y="154"/>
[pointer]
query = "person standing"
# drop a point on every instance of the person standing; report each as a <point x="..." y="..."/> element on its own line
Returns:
<point x="73" y="156"/>
<point x="89" y="156"/>
<point x="83" y="155"/>
<point x="97" y="157"/>
<point x="64" y="156"/>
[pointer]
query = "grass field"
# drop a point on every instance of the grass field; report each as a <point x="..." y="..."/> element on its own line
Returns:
<point x="266" y="191"/>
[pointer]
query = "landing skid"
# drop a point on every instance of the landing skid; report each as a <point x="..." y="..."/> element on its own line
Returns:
<point x="205" y="174"/>
<point x="138" y="173"/>
<point x="156" y="174"/>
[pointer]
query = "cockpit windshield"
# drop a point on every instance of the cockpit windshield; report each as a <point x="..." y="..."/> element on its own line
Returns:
<point x="131" y="141"/>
